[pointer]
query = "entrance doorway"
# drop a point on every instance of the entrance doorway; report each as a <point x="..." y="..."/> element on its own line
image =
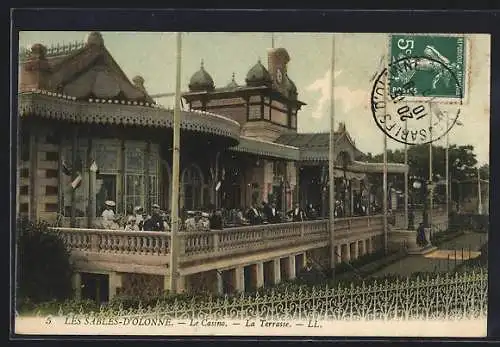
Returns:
<point x="192" y="184"/>
<point x="95" y="287"/>
<point x="106" y="190"/>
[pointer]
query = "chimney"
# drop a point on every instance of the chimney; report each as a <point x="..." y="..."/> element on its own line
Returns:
<point x="35" y="71"/>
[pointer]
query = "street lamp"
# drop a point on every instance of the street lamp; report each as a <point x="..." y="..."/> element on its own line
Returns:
<point x="420" y="184"/>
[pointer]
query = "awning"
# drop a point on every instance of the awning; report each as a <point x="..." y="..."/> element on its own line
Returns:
<point x="266" y="148"/>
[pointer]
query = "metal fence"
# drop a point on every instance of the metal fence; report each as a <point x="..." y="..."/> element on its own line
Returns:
<point x="456" y="296"/>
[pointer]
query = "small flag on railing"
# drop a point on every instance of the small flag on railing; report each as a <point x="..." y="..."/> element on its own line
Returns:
<point x="75" y="171"/>
<point x="66" y="170"/>
<point x="77" y="181"/>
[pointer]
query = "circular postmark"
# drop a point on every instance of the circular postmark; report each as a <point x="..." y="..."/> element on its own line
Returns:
<point x="404" y="110"/>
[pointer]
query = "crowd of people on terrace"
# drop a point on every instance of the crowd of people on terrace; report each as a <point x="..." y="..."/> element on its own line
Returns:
<point x="211" y="218"/>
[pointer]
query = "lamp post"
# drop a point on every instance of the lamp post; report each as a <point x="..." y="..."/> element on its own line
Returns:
<point x="421" y="185"/>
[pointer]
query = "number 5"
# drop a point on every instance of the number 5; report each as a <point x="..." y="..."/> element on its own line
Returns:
<point x="406" y="46"/>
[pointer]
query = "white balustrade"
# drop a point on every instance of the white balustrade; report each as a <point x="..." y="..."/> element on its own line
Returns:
<point x="216" y="242"/>
<point x="116" y="241"/>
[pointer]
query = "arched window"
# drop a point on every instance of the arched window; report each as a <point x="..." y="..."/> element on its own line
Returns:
<point x="192" y="184"/>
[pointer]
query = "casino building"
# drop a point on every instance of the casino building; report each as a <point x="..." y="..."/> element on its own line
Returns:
<point x="89" y="134"/>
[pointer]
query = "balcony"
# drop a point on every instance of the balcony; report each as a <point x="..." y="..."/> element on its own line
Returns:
<point x="149" y="252"/>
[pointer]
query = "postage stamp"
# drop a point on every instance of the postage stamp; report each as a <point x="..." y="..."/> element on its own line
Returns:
<point x="442" y="75"/>
<point x="184" y="184"/>
<point x="411" y="113"/>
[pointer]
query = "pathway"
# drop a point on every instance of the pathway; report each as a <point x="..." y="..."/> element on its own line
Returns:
<point x="441" y="260"/>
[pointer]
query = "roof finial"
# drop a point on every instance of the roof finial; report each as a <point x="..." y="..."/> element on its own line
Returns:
<point x="233" y="77"/>
<point x="202" y="64"/>
<point x="259" y="61"/>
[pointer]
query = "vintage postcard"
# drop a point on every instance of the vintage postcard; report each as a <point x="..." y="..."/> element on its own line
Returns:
<point x="253" y="184"/>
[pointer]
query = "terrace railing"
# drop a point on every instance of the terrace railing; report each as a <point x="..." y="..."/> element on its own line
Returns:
<point x="219" y="242"/>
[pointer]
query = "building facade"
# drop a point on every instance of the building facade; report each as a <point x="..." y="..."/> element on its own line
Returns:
<point x="87" y="134"/>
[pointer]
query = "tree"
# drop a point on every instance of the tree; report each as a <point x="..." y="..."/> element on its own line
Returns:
<point x="484" y="171"/>
<point x="462" y="161"/>
<point x="462" y="164"/>
<point x="44" y="269"/>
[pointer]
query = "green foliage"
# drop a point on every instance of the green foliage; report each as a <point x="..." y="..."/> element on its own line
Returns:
<point x="43" y="264"/>
<point x="54" y="307"/>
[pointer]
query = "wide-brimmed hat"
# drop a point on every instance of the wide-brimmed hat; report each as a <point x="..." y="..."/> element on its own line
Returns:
<point x="155" y="206"/>
<point x="138" y="209"/>
<point x="110" y="203"/>
<point x="132" y="219"/>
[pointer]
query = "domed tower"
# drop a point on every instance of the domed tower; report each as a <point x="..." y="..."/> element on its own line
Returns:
<point x="258" y="76"/>
<point x="201" y="81"/>
<point x="233" y="83"/>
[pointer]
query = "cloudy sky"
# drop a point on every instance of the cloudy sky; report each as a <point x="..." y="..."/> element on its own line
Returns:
<point x="357" y="59"/>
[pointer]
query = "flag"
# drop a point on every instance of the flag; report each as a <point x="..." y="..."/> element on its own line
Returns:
<point x="77" y="181"/>
<point x="65" y="169"/>
<point x="77" y="173"/>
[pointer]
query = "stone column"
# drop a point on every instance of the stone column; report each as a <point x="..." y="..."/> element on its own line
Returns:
<point x="181" y="284"/>
<point x="304" y="260"/>
<point x="220" y="282"/>
<point x="338" y="256"/>
<point x="277" y="271"/>
<point x="115" y="282"/>
<point x="356" y="250"/>
<point x="347" y="257"/>
<point x="259" y="275"/>
<point x="291" y="267"/>
<point x="362" y="245"/>
<point x="351" y="198"/>
<point x="369" y="244"/>
<point x="239" y="279"/>
<point x="77" y="285"/>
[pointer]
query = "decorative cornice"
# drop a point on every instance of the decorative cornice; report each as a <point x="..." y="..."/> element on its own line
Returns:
<point x="56" y="106"/>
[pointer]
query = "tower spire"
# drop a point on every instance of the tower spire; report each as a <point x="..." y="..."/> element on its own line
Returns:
<point x="272" y="40"/>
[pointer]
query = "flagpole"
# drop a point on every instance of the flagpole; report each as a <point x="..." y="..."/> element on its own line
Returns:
<point x="480" y="203"/>
<point x="385" y="192"/>
<point x="331" y="161"/>
<point x="174" y="248"/>
<point x="272" y="40"/>
<point x="430" y="191"/>
<point x="384" y="179"/>
<point x="406" y="179"/>
<point x="447" y="172"/>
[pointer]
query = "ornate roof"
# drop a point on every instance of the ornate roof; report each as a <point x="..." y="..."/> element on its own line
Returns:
<point x="232" y="84"/>
<point x="266" y="148"/>
<point x="315" y="146"/>
<point x="258" y="75"/>
<point x="49" y="105"/>
<point x="201" y="80"/>
<point x="82" y="70"/>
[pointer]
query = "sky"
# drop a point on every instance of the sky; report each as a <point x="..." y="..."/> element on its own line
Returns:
<point x="358" y="57"/>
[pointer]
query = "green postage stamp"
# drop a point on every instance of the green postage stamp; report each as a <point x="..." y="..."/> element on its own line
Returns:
<point x="429" y="66"/>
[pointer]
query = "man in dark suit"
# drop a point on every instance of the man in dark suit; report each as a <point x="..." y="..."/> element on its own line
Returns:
<point x="254" y="216"/>
<point x="216" y="220"/>
<point x="273" y="214"/>
<point x="297" y="214"/>
<point x="155" y="223"/>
